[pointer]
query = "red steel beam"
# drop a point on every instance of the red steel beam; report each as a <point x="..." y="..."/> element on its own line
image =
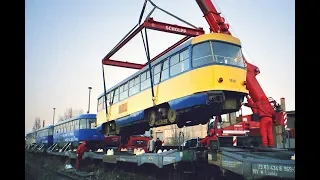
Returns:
<point x="140" y="66"/>
<point x="154" y="25"/>
<point x="122" y="64"/>
<point x="171" y="28"/>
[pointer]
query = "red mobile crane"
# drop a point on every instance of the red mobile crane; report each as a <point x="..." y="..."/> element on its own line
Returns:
<point x="262" y="106"/>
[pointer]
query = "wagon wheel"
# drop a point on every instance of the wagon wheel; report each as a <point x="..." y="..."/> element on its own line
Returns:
<point x="204" y="121"/>
<point x="172" y="116"/>
<point x="152" y="118"/>
<point x="107" y="129"/>
<point x="180" y="124"/>
<point x="118" y="130"/>
<point x="113" y="125"/>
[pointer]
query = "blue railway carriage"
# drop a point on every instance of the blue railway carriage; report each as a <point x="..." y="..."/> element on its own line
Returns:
<point x="44" y="136"/>
<point x="77" y="129"/>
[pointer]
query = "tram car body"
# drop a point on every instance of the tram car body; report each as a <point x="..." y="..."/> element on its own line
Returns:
<point x="204" y="77"/>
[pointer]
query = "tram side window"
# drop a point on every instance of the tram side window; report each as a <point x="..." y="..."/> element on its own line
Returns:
<point x="145" y="80"/>
<point x="50" y="132"/>
<point x="165" y="70"/>
<point x="100" y="104"/>
<point x="68" y="126"/>
<point x="76" y="124"/>
<point x="108" y="99"/>
<point x="103" y="102"/>
<point x="83" y="123"/>
<point x="123" y="91"/>
<point x="202" y="54"/>
<point x="116" y="96"/>
<point x="72" y="125"/>
<point x="60" y="128"/>
<point x="64" y="127"/>
<point x="156" y="71"/>
<point x="134" y="86"/>
<point x="164" y="73"/>
<point x="179" y="62"/>
<point x="92" y="123"/>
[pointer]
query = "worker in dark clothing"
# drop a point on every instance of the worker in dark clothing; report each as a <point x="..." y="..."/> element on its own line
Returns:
<point x="211" y="136"/>
<point x="158" y="145"/>
<point x="266" y="114"/>
<point x="79" y="153"/>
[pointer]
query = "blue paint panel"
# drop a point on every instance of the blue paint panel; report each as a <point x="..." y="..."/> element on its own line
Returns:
<point x="99" y="128"/>
<point x="129" y="119"/>
<point x="189" y="101"/>
<point x="181" y="103"/>
<point x="89" y="134"/>
<point x="47" y="140"/>
<point x="78" y="135"/>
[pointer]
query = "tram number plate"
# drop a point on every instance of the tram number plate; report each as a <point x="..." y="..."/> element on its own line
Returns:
<point x="230" y="104"/>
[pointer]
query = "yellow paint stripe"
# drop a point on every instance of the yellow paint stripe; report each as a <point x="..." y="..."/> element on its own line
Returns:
<point x="216" y="36"/>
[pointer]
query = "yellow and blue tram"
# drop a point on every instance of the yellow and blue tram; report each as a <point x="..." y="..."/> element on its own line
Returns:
<point x="204" y="77"/>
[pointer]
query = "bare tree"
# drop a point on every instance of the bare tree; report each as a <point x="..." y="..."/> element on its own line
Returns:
<point x="37" y="124"/>
<point x="174" y="139"/>
<point x="70" y="113"/>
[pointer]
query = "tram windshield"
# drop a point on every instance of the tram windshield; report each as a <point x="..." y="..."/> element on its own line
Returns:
<point x="217" y="52"/>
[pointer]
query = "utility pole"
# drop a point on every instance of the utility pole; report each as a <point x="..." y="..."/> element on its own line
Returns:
<point x="54" y="111"/>
<point x="89" y="100"/>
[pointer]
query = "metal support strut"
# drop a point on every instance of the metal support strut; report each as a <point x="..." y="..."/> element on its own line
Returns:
<point x="146" y="48"/>
<point x="149" y="23"/>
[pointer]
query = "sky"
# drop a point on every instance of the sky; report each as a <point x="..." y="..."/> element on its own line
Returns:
<point x="65" y="42"/>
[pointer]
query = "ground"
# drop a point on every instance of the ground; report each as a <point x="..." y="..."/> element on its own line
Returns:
<point x="42" y="167"/>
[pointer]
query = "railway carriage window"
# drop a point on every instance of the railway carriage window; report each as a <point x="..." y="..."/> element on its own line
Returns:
<point x="50" y="132"/>
<point x="92" y="123"/>
<point x="76" y="122"/>
<point x="134" y="86"/>
<point x="131" y="83"/>
<point x="145" y="80"/>
<point x="88" y="124"/>
<point x="108" y="98"/>
<point x="137" y="81"/>
<point x="156" y="72"/>
<point x="103" y="102"/>
<point x="165" y="70"/>
<point x="116" y="96"/>
<point x="202" y="54"/>
<point x="179" y="63"/>
<point x="184" y="59"/>
<point x="143" y="76"/>
<point x="124" y="91"/>
<point x="83" y="123"/>
<point x="100" y="104"/>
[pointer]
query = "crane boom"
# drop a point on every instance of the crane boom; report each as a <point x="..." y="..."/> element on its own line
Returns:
<point x="257" y="97"/>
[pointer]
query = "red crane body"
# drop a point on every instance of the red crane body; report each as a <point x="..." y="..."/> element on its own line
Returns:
<point x="257" y="99"/>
